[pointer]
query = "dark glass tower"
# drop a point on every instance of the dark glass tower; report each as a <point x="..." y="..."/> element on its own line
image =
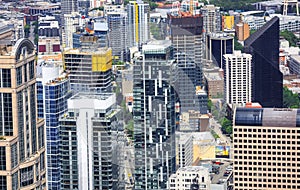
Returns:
<point x="263" y="45"/>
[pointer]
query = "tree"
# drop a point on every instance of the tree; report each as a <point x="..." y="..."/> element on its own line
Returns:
<point x="290" y="100"/>
<point x="290" y="37"/>
<point x="209" y="105"/>
<point x="237" y="45"/>
<point x="226" y="125"/>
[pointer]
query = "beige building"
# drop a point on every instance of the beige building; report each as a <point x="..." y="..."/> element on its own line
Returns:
<point x="266" y="148"/>
<point x="242" y="31"/>
<point x="22" y="135"/>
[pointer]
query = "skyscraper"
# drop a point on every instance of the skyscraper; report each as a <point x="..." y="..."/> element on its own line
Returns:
<point x="138" y="23"/>
<point x="89" y="67"/>
<point x="53" y="90"/>
<point x="211" y="19"/>
<point x="263" y="45"/>
<point x="87" y="146"/>
<point x="266" y="148"/>
<point x="117" y="24"/>
<point x="237" y="78"/>
<point x="22" y="137"/>
<point x="154" y="116"/>
<point x="186" y="35"/>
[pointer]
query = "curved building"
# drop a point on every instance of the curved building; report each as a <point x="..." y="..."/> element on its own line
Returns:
<point x="22" y="137"/>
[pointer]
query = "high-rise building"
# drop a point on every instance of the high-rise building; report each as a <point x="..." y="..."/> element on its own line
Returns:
<point x="211" y="19"/>
<point x="86" y="143"/>
<point x="186" y="35"/>
<point x="154" y="115"/>
<point x="237" y="78"/>
<point x="53" y="91"/>
<point x="22" y="136"/>
<point x="217" y="45"/>
<point x="190" y="177"/>
<point x="266" y="148"/>
<point x="267" y="78"/>
<point x="138" y="23"/>
<point x="89" y="67"/>
<point x="71" y="22"/>
<point x="242" y="31"/>
<point x="68" y="7"/>
<point x="211" y="23"/>
<point x="117" y="24"/>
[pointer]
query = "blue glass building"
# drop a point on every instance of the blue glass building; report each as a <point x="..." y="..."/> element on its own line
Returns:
<point x="53" y="92"/>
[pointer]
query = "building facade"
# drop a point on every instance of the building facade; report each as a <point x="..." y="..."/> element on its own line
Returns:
<point x="22" y="144"/>
<point x="184" y="149"/>
<point x="154" y="116"/>
<point x="53" y="91"/>
<point x="89" y="67"/>
<point x="266" y="148"/>
<point x="267" y="78"/>
<point x="87" y="146"/>
<point x="138" y="23"/>
<point x="117" y="24"/>
<point x="217" y="45"/>
<point x="190" y="177"/>
<point x="237" y="78"/>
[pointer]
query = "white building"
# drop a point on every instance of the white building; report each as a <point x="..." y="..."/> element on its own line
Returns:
<point x="184" y="149"/>
<point x="71" y="21"/>
<point x="190" y="177"/>
<point x="237" y="77"/>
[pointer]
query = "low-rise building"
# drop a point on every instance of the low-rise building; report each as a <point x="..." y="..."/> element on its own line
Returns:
<point x="190" y="177"/>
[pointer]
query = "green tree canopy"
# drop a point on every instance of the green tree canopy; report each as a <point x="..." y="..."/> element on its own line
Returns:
<point x="290" y="37"/>
<point x="290" y="100"/>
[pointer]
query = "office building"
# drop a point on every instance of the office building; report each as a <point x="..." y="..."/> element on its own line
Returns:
<point x="184" y="149"/>
<point x="154" y="116"/>
<point x="188" y="84"/>
<point x="71" y="22"/>
<point x="48" y="28"/>
<point x="266" y="148"/>
<point x="242" y="31"/>
<point x="211" y="19"/>
<point x="217" y="45"/>
<point x="53" y="91"/>
<point x="186" y="36"/>
<point x="237" y="78"/>
<point x="266" y="78"/>
<point x="86" y="145"/>
<point x="138" y="23"/>
<point x="190" y="177"/>
<point x="22" y="144"/>
<point x="68" y="7"/>
<point x="214" y="81"/>
<point x="117" y="24"/>
<point x="101" y="31"/>
<point x="89" y="67"/>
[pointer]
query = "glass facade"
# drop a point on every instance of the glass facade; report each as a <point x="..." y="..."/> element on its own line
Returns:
<point x="55" y="104"/>
<point x="6" y="115"/>
<point x="3" y="181"/>
<point x="2" y="158"/>
<point x="267" y="78"/>
<point x="154" y="122"/>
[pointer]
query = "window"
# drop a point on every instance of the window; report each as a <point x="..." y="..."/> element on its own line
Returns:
<point x="14" y="155"/>
<point x="5" y="78"/>
<point x="2" y="158"/>
<point x="27" y="176"/>
<point x="31" y="70"/>
<point x="19" y="76"/>
<point x="3" y="185"/>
